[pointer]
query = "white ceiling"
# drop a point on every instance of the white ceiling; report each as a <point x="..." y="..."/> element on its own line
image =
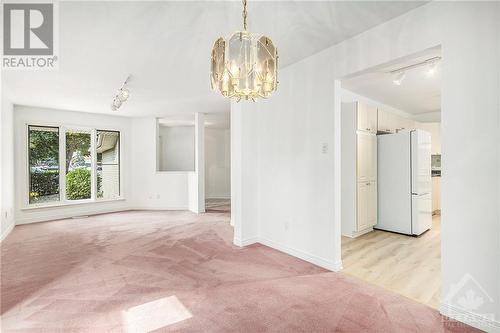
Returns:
<point x="166" y="47"/>
<point x="418" y="95"/>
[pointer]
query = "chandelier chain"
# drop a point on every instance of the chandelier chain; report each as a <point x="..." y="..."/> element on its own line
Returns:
<point x="245" y="14"/>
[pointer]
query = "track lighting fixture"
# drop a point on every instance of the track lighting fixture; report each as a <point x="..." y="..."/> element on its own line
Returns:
<point x="399" y="74"/>
<point x="432" y="68"/>
<point x="398" y="78"/>
<point x="121" y="97"/>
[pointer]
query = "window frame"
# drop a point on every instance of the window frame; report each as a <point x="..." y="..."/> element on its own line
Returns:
<point x="28" y="165"/>
<point x="63" y="129"/>
<point x="94" y="160"/>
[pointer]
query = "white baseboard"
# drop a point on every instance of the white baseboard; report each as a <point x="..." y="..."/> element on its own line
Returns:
<point x="355" y="234"/>
<point x="245" y="242"/>
<point x="7" y="231"/>
<point x="316" y="260"/>
<point x="158" y="208"/>
<point x="61" y="216"/>
<point x="485" y="323"/>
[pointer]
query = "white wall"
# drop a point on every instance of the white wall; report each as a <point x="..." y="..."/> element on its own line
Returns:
<point x="294" y="182"/>
<point x="435" y="130"/>
<point x="152" y="189"/>
<point x="24" y="115"/>
<point x="176" y="147"/>
<point x="217" y="163"/>
<point x="7" y="166"/>
<point x="292" y="176"/>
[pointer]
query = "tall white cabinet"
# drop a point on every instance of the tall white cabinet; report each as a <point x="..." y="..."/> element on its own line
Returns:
<point x="366" y="181"/>
<point x="359" y="168"/>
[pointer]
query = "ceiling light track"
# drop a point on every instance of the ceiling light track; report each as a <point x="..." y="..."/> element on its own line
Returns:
<point x="400" y="73"/>
<point x="427" y="62"/>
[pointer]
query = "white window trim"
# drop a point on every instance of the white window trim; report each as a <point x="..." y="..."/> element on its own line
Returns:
<point x="63" y="128"/>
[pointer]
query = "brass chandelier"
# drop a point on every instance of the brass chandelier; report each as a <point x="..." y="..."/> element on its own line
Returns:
<point x="245" y="66"/>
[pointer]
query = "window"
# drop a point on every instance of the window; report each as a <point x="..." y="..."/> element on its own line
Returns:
<point x="43" y="165"/>
<point x="78" y="165"/>
<point x="108" y="164"/>
<point x="89" y="171"/>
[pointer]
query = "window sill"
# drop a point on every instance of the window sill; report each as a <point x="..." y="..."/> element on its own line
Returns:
<point x="65" y="204"/>
<point x="175" y="172"/>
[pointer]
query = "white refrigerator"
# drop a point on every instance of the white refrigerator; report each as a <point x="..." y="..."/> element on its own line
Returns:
<point x="404" y="182"/>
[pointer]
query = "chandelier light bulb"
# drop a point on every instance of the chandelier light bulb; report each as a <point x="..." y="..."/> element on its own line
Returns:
<point x="245" y="65"/>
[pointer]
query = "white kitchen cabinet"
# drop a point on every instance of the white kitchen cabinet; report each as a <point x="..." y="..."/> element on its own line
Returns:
<point x="408" y="123"/>
<point x="400" y="123"/>
<point x="366" y="157"/>
<point x="384" y="121"/>
<point x="371" y="204"/>
<point x="391" y="123"/>
<point x="366" y="182"/>
<point x="366" y="205"/>
<point x="362" y="213"/>
<point x="359" y="169"/>
<point x="366" y="117"/>
<point x="436" y="194"/>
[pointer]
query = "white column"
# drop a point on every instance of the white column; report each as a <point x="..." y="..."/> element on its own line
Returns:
<point x="197" y="186"/>
<point x="244" y="171"/>
<point x="236" y="172"/>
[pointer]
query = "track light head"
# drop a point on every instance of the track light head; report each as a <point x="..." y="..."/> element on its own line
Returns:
<point x="432" y="69"/>
<point x="398" y="78"/>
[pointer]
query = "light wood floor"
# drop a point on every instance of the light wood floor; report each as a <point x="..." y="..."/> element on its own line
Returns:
<point x="410" y="266"/>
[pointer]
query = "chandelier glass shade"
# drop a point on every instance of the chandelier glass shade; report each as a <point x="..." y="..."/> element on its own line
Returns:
<point x="244" y="66"/>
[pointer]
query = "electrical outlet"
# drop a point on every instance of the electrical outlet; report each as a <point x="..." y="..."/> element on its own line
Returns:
<point x="324" y="148"/>
<point x="287" y="224"/>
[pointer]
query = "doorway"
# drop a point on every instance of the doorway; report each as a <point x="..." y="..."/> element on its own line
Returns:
<point x="390" y="182"/>
<point x="218" y="162"/>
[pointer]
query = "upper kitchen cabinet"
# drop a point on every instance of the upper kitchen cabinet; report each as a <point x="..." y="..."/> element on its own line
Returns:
<point x="366" y="117"/>
<point x="391" y="123"/>
<point x="386" y="122"/>
<point x="407" y="123"/>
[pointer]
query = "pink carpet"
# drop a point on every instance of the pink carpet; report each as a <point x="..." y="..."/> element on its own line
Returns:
<point x="145" y="271"/>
